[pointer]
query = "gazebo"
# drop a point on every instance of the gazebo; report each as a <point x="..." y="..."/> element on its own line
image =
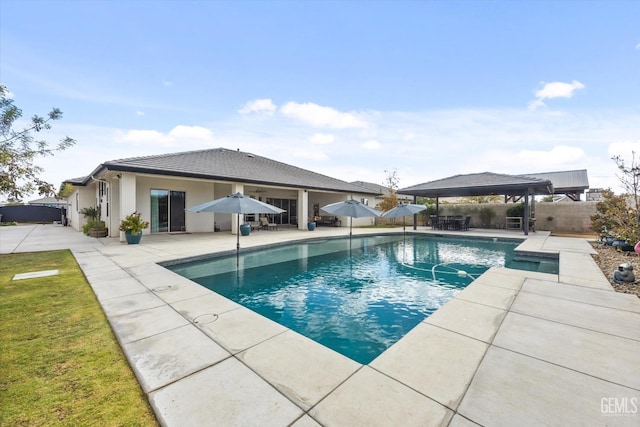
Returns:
<point x="484" y="184"/>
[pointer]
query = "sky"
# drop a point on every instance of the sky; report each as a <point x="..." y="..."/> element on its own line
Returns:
<point x="356" y="90"/>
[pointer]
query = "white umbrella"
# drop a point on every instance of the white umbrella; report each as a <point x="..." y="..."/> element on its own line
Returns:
<point x="402" y="210"/>
<point x="352" y="209"/>
<point x="237" y="204"/>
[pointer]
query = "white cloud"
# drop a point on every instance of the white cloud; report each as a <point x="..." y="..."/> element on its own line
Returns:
<point x="371" y="145"/>
<point x="319" y="116"/>
<point x="322" y="139"/>
<point x="554" y="90"/>
<point x="259" y="106"/>
<point x="561" y="156"/>
<point x="139" y="113"/>
<point x="192" y="133"/>
<point x="167" y="83"/>
<point x="178" y="136"/>
<point x="444" y="143"/>
<point x="638" y="46"/>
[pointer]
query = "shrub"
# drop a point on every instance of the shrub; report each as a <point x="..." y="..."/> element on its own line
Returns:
<point x="516" y="210"/>
<point x="615" y="218"/>
<point x="486" y="216"/>
<point x="90" y="225"/>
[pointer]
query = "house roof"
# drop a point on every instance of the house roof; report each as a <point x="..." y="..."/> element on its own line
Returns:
<point x="48" y="201"/>
<point x="224" y="165"/>
<point x="480" y="184"/>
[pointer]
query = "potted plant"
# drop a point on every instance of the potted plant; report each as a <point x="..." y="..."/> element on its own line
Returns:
<point x="245" y="229"/>
<point x="311" y="224"/>
<point x="94" y="227"/>
<point x="132" y="226"/>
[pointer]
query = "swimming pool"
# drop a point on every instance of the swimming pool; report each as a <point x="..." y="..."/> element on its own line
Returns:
<point x="357" y="301"/>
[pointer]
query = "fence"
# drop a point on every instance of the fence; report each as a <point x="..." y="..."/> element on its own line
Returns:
<point x="28" y="213"/>
<point x="566" y="217"/>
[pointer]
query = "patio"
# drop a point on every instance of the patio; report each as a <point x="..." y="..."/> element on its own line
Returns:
<point x="513" y="348"/>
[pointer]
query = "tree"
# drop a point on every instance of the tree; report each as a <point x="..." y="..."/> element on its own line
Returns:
<point x="20" y="176"/>
<point x="630" y="179"/>
<point x="390" y="200"/>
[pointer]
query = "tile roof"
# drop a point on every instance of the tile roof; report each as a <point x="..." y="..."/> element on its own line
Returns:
<point x="227" y="165"/>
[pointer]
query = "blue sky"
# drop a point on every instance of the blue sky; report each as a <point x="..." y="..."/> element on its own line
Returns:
<point x="350" y="89"/>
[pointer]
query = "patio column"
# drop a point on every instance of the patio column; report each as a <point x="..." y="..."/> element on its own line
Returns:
<point x="303" y="209"/>
<point x="128" y="205"/>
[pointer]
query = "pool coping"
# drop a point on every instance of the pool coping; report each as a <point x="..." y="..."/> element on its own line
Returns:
<point x="200" y="358"/>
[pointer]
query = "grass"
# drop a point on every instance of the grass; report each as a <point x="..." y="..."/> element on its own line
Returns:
<point x="60" y="362"/>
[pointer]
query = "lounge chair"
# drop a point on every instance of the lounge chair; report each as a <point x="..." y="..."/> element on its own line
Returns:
<point x="266" y="225"/>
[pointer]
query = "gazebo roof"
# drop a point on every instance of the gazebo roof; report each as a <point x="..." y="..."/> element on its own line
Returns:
<point x="480" y="184"/>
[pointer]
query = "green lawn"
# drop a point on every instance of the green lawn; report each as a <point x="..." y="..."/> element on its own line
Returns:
<point x="60" y="363"/>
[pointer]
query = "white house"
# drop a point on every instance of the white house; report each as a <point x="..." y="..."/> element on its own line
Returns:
<point x="161" y="187"/>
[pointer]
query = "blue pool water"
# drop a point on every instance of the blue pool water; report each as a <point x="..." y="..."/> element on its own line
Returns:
<point x="357" y="301"/>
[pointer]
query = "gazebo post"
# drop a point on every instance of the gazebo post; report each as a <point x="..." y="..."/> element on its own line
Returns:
<point x="525" y="226"/>
<point x="415" y="216"/>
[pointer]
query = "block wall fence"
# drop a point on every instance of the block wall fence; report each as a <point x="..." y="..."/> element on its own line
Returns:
<point x="567" y="217"/>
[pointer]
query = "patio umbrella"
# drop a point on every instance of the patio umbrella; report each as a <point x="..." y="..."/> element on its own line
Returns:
<point x="238" y="204"/>
<point x="402" y="210"/>
<point x="352" y="209"/>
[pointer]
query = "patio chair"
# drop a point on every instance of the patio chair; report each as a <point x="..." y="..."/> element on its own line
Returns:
<point x="435" y="222"/>
<point x="266" y="225"/>
<point x="465" y="225"/>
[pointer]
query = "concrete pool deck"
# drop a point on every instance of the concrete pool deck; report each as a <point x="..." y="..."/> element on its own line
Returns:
<point x="513" y="348"/>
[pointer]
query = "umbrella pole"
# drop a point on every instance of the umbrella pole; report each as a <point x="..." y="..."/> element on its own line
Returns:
<point x="404" y="233"/>
<point x="404" y="241"/>
<point x="238" y="241"/>
<point x="350" y="227"/>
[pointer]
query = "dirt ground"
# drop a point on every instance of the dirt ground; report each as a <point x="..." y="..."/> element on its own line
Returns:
<point x="608" y="259"/>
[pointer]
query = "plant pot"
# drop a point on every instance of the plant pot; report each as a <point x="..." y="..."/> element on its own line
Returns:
<point x="133" y="239"/>
<point x="245" y="229"/>
<point x="98" y="232"/>
<point x="311" y="225"/>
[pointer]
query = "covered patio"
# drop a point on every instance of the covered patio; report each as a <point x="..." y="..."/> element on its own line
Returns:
<point x="484" y="184"/>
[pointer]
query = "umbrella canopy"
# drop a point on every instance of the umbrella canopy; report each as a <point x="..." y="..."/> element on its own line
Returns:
<point x="238" y="204"/>
<point x="352" y="209"/>
<point x="402" y="210"/>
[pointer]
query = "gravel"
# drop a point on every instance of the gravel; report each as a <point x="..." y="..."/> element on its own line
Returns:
<point x="608" y="259"/>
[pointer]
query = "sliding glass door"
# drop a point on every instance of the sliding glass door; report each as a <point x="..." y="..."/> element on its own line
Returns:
<point x="167" y="211"/>
<point x="291" y="211"/>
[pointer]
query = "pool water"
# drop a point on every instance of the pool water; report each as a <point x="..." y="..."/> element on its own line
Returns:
<point x="357" y="301"/>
